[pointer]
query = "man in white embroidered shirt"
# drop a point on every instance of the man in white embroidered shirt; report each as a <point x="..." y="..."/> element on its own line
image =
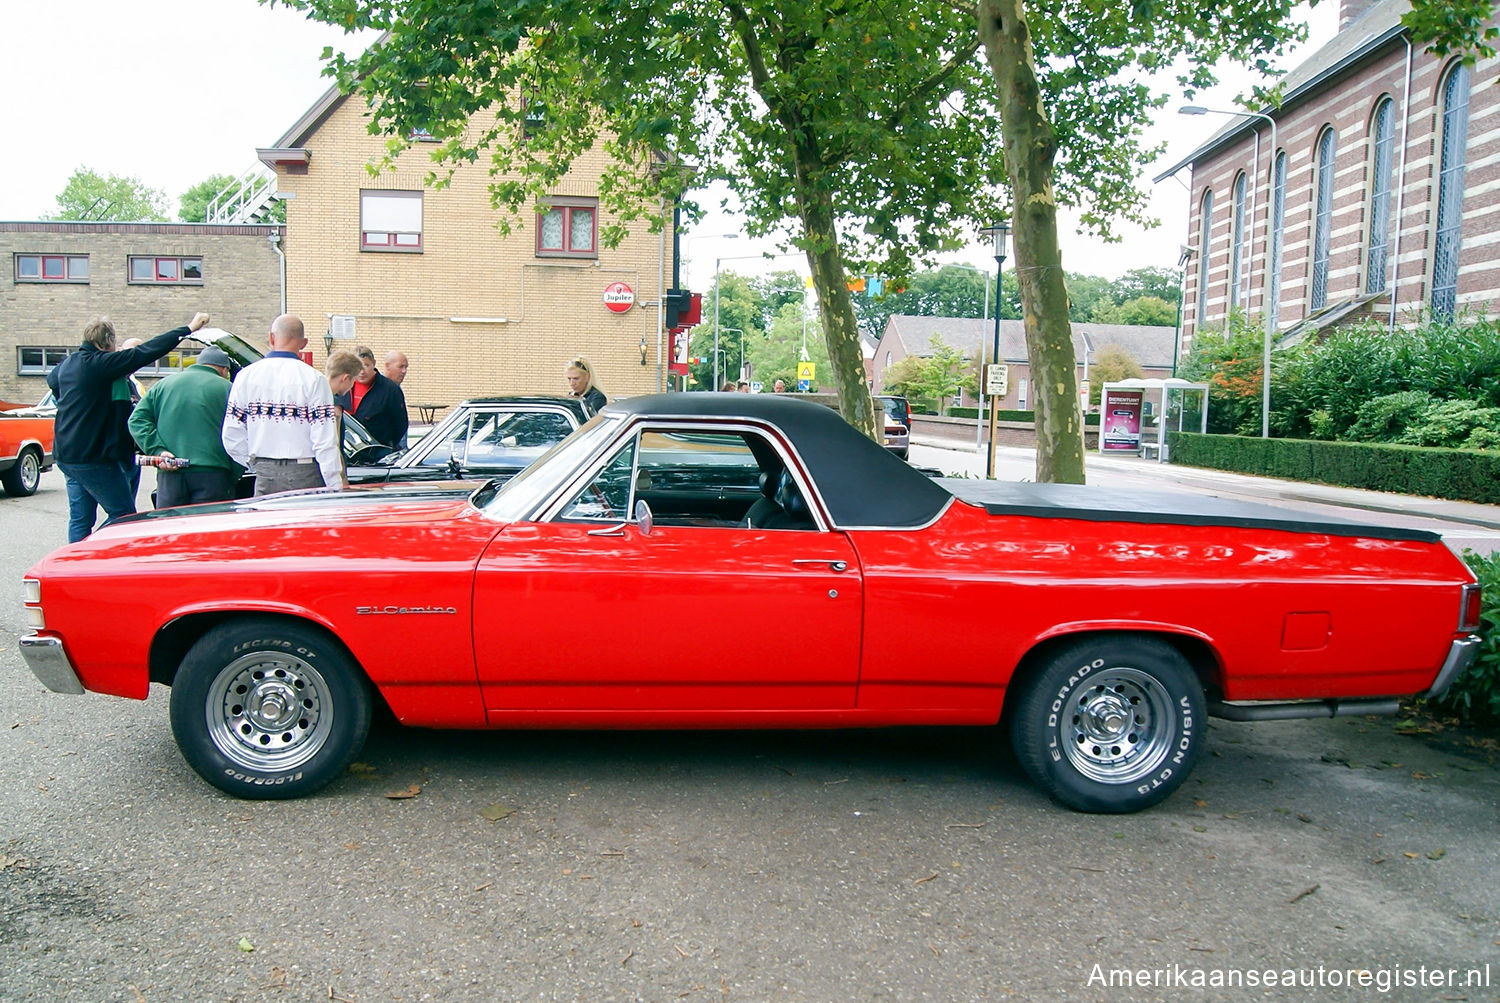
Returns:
<point x="281" y="422"/>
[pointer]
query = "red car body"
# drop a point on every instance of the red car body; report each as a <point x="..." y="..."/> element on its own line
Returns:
<point x="541" y="605"/>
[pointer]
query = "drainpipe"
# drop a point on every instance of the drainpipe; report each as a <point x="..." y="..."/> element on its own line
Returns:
<point x="275" y="239"/>
<point x="1395" y="265"/>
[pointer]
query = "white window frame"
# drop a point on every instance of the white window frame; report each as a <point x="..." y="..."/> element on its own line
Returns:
<point x="389" y="222"/>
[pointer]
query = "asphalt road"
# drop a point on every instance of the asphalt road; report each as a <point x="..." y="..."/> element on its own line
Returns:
<point x="895" y="865"/>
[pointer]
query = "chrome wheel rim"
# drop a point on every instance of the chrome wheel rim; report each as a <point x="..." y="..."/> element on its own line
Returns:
<point x="31" y="472"/>
<point x="1119" y="726"/>
<point x="269" y="712"/>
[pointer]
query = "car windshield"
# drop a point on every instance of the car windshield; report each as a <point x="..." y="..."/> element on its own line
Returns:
<point x="525" y="491"/>
<point x="895" y="409"/>
<point x="496" y="438"/>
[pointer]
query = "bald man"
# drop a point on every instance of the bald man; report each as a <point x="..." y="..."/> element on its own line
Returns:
<point x="281" y="422"/>
<point x="395" y="367"/>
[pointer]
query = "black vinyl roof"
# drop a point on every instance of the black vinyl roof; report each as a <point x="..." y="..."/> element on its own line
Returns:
<point x="862" y="484"/>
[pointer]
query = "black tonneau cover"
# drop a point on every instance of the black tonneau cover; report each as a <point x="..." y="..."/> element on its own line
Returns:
<point x="1079" y="501"/>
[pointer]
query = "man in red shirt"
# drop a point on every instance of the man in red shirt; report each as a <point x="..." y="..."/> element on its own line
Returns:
<point x="376" y="401"/>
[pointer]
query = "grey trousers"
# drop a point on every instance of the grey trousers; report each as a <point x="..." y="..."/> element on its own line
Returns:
<point x="284" y="475"/>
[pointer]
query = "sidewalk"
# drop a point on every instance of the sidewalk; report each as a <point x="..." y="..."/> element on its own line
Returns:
<point x="1019" y="464"/>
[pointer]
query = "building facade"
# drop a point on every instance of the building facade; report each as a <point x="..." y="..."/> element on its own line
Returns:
<point x="1370" y="192"/>
<point x="389" y="262"/>
<point x="906" y="335"/>
<point x="145" y="277"/>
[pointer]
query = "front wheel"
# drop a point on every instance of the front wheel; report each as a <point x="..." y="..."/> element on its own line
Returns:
<point x="1111" y="724"/>
<point x="269" y="709"/>
<point x="25" y="474"/>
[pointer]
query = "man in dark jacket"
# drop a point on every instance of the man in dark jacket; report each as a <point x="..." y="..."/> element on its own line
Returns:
<point x="376" y="400"/>
<point x="89" y="437"/>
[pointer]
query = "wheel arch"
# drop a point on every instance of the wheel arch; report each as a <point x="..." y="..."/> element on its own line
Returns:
<point x="172" y="642"/>
<point x="1196" y="651"/>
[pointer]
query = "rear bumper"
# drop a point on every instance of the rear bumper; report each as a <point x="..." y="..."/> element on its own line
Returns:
<point x="48" y="661"/>
<point x="1461" y="655"/>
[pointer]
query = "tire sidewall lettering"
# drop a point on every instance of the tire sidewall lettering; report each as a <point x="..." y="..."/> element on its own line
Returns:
<point x="1054" y="712"/>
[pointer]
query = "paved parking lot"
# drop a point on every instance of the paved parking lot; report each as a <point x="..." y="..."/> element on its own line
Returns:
<point x="900" y="865"/>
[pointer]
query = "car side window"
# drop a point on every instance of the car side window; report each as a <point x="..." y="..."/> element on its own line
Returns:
<point x="607" y="495"/>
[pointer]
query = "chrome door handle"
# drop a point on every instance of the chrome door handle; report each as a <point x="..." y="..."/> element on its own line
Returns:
<point x="832" y="565"/>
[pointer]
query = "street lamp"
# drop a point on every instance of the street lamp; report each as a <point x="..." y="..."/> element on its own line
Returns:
<point x="731" y="257"/>
<point x="1270" y="325"/>
<point x="999" y="233"/>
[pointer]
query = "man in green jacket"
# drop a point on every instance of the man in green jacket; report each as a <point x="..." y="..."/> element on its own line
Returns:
<point x="183" y="416"/>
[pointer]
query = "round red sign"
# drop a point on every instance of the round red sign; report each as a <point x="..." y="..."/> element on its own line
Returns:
<point x="619" y="297"/>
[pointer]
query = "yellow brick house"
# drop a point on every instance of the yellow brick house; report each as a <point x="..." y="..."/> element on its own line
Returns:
<point x="382" y="260"/>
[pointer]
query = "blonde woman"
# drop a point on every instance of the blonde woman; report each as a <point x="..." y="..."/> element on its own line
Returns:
<point x="581" y="384"/>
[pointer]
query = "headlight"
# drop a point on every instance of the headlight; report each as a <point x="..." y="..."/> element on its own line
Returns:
<point x="31" y="590"/>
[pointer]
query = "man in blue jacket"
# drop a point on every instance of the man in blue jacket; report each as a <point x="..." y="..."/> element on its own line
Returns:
<point x="89" y="437"/>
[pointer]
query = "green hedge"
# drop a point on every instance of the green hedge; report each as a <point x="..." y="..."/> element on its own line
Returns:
<point x="1460" y="474"/>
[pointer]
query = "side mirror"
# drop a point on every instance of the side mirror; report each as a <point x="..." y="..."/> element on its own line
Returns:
<point x="455" y="469"/>
<point x="643" y="516"/>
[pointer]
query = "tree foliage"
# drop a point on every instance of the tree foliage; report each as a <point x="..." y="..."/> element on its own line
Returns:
<point x="192" y="207"/>
<point x="1112" y="364"/>
<point x="935" y="377"/>
<point x="89" y="195"/>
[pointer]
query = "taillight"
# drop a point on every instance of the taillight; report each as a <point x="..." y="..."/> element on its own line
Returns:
<point x="1468" y="618"/>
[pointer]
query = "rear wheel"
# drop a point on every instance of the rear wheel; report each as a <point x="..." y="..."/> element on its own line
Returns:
<point x="23" y="477"/>
<point x="1111" y="723"/>
<point x="269" y="709"/>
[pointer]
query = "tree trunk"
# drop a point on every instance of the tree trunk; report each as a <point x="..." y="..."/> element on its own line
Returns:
<point x="1030" y="147"/>
<point x="840" y="328"/>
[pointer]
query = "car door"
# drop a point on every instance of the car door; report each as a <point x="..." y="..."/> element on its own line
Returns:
<point x="580" y="614"/>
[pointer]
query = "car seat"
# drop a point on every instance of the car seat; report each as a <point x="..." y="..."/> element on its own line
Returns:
<point x="765" y="507"/>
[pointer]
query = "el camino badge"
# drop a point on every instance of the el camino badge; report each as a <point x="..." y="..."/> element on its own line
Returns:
<point x="399" y="610"/>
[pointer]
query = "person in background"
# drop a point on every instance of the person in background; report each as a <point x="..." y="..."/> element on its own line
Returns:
<point x="728" y="387"/>
<point x="88" y="429"/>
<point x="779" y="387"/>
<point x="183" y="416"/>
<point x="342" y="369"/>
<point x="744" y="386"/>
<point x="395" y="371"/>
<point x="395" y="366"/>
<point x="281" y="421"/>
<point x="376" y="401"/>
<point x="581" y="384"/>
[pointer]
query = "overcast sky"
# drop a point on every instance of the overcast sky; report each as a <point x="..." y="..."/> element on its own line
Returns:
<point x="171" y="93"/>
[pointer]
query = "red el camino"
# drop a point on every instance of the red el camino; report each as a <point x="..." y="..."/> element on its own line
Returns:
<point x="738" y="561"/>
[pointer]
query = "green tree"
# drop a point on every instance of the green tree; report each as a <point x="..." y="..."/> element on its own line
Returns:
<point x="1160" y="283"/>
<point x="935" y="377"/>
<point x="864" y="133"/>
<point x="193" y="205"/>
<point x="89" y="195"/>
<point x="742" y="308"/>
<point x="838" y="125"/>
<point x="1112" y="364"/>
<point x="1148" y="310"/>
<point x="775" y="353"/>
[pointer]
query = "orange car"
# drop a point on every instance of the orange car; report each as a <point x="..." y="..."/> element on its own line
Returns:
<point x="25" y="451"/>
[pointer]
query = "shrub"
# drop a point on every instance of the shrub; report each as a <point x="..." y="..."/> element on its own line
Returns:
<point x="1388" y="418"/>
<point x="1452" y="423"/>
<point x="1475" y="696"/>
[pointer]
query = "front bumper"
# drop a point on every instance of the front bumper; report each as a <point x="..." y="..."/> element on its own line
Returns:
<point x="1461" y="655"/>
<point x="48" y="661"/>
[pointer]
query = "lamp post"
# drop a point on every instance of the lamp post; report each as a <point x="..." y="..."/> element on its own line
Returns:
<point x="1270" y="325"/>
<point x="717" y="261"/>
<point x="1183" y="258"/>
<point x="741" y="333"/>
<point x="999" y="233"/>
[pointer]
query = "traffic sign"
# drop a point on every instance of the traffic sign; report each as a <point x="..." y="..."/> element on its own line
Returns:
<point x="996" y="379"/>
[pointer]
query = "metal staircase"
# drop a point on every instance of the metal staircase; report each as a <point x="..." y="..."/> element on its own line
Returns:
<point x="249" y="199"/>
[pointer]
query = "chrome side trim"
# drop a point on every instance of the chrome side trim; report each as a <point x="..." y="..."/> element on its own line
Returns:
<point x="48" y="661"/>
<point x="1300" y="709"/>
<point x="1460" y="656"/>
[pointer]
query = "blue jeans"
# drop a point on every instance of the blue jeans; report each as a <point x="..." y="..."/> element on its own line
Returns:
<point x="92" y="486"/>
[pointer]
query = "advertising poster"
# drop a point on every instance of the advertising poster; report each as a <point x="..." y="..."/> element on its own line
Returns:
<point x="1120" y="421"/>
